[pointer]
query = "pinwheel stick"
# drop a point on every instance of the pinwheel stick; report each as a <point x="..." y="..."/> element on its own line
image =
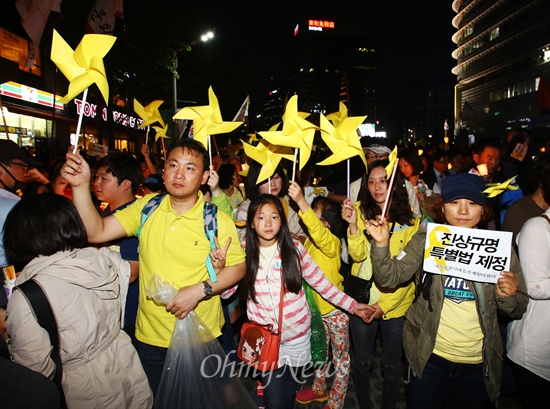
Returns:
<point x="269" y="185"/>
<point x="163" y="148"/>
<point x="147" y="135"/>
<point x="348" y="176"/>
<point x="294" y="164"/>
<point x="390" y="187"/>
<point x="209" y="143"/>
<point x="79" y="124"/>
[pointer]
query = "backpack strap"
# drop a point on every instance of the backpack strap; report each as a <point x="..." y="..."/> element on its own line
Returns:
<point x="148" y="209"/>
<point x="210" y="226"/>
<point x="46" y="319"/>
<point x="545" y="217"/>
<point x="211" y="230"/>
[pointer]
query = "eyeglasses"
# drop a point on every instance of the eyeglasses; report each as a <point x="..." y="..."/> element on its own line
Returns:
<point x="23" y="165"/>
<point x="377" y="156"/>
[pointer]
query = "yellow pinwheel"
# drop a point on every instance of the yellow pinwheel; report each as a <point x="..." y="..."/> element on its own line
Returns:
<point x="343" y="140"/>
<point x="252" y="137"/>
<point x="495" y="189"/>
<point x="83" y="66"/>
<point x="393" y="159"/>
<point x="150" y="114"/>
<point x="268" y="155"/>
<point x="233" y="149"/>
<point x="207" y="119"/>
<point x="337" y="117"/>
<point x="297" y="132"/>
<point x="161" y="132"/>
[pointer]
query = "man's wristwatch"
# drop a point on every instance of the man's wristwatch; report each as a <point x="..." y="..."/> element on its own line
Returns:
<point x="207" y="290"/>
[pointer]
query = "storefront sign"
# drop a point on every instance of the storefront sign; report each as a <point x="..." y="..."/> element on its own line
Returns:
<point x="120" y="118"/>
<point x="24" y="93"/>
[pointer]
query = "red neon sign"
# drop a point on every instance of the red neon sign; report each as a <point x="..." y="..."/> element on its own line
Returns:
<point x="320" y="24"/>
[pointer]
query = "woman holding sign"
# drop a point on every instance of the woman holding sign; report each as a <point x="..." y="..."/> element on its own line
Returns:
<point x="389" y="302"/>
<point x="451" y="335"/>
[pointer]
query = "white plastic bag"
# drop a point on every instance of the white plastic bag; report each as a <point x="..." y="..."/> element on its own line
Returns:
<point x="197" y="373"/>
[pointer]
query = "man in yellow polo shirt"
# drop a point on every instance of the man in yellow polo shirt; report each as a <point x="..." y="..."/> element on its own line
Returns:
<point x="173" y="245"/>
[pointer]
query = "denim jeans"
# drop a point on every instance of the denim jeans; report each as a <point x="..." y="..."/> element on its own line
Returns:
<point x="364" y="339"/>
<point x="280" y="387"/>
<point x="443" y="382"/>
<point x="152" y="358"/>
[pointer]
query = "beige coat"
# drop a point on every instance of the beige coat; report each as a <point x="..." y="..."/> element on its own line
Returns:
<point x="85" y="288"/>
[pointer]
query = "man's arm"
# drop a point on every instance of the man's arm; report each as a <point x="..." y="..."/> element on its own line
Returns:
<point x="189" y="297"/>
<point x="100" y="230"/>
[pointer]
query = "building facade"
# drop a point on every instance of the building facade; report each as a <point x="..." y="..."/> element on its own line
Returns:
<point x="502" y="51"/>
<point x="334" y="62"/>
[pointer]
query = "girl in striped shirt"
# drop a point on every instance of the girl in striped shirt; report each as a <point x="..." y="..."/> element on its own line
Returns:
<point x="272" y="257"/>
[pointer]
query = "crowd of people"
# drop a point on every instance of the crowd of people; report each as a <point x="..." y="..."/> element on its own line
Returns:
<point x="89" y="235"/>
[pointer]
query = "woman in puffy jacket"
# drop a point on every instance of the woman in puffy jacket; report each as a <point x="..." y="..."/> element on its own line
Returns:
<point x="86" y="289"/>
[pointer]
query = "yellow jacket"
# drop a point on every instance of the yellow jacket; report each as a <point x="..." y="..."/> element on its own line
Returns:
<point x="324" y="248"/>
<point x="393" y="301"/>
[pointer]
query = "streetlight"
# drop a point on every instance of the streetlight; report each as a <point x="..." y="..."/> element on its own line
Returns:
<point x="204" y="38"/>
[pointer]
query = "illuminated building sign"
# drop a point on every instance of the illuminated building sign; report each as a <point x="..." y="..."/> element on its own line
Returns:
<point x="24" y="93"/>
<point x="319" y="25"/>
<point x="90" y="111"/>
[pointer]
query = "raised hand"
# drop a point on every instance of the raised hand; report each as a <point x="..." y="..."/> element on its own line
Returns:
<point x="296" y="194"/>
<point x="379" y="231"/>
<point x="76" y="170"/>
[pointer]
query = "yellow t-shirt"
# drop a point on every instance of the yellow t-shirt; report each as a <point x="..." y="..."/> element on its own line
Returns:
<point x="175" y="248"/>
<point x="459" y="338"/>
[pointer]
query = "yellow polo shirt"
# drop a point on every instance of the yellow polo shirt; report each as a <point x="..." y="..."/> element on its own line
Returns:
<point x="175" y="248"/>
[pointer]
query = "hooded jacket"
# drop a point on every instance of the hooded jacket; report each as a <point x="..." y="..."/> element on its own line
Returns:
<point x="86" y="290"/>
<point x="422" y="318"/>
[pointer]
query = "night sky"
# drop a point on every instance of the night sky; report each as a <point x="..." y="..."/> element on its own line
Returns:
<point x="252" y="44"/>
<point x="249" y="54"/>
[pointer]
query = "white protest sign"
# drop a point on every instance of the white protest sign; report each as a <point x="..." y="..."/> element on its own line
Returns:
<point x="472" y="254"/>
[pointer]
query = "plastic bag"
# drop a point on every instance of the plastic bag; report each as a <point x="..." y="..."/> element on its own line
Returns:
<point x="197" y="374"/>
<point x="318" y="338"/>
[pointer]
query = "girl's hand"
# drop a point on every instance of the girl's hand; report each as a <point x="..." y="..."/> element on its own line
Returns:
<point x="349" y="214"/>
<point x="214" y="183"/>
<point x="296" y="194"/>
<point x="376" y="314"/>
<point x="507" y="285"/>
<point x="379" y="231"/>
<point x="364" y="311"/>
<point x="145" y="150"/>
<point x="218" y="254"/>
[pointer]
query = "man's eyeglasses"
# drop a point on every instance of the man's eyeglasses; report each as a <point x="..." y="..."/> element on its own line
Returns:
<point x="23" y="165"/>
<point x="377" y="157"/>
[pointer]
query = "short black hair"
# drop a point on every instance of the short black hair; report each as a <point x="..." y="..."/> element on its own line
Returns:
<point x="438" y="154"/>
<point x="252" y="189"/>
<point x="226" y="172"/>
<point x="42" y="225"/>
<point x="479" y="147"/>
<point x="122" y="166"/>
<point x="194" y="147"/>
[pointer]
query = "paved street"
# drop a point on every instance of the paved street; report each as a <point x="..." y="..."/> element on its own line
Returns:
<point x="506" y="402"/>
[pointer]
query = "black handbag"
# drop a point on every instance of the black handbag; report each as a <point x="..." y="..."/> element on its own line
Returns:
<point x="358" y="288"/>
